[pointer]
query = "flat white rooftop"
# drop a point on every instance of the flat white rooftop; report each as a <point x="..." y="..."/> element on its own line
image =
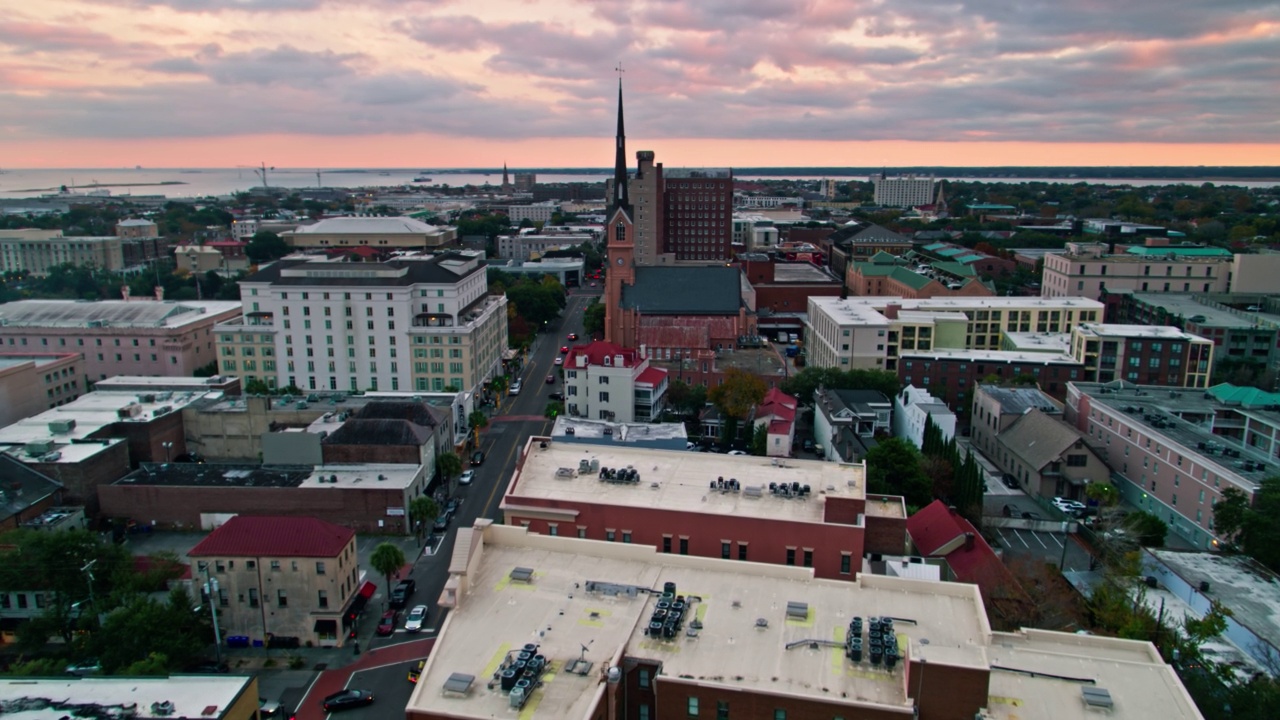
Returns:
<point x="992" y="355"/>
<point x="377" y="476"/>
<point x="869" y="309"/>
<point x="678" y="479"/>
<point x="1155" y="332"/>
<point x="1038" y="342"/>
<point x="191" y="696"/>
<point x="747" y="640"/>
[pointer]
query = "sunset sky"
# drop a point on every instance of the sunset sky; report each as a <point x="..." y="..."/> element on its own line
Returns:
<point x="475" y="83"/>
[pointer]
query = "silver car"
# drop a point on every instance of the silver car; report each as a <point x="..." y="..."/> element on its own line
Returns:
<point x="417" y="618"/>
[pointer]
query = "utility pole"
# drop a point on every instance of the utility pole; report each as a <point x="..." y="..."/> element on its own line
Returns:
<point x="211" y="589"/>
<point x="88" y="571"/>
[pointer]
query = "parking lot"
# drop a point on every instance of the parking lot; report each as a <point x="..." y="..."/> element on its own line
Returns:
<point x="1042" y="546"/>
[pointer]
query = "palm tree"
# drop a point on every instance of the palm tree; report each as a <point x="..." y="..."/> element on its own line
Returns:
<point x="423" y="511"/>
<point x="387" y="559"/>
<point x="478" y="420"/>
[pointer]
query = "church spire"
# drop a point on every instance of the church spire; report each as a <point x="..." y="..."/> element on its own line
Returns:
<point x="620" y="199"/>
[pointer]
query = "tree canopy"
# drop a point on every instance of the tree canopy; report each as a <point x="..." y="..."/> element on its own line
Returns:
<point x="265" y="246"/>
<point x="739" y="392"/>
<point x="803" y="384"/>
<point x="1254" y="528"/>
<point x="893" y="468"/>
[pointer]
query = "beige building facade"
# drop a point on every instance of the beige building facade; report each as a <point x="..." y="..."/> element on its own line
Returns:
<point x="1086" y="269"/>
<point x="385" y="233"/>
<point x="31" y="384"/>
<point x="36" y="251"/>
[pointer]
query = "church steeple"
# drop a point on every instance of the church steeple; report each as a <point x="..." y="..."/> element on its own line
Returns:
<point x="620" y="198"/>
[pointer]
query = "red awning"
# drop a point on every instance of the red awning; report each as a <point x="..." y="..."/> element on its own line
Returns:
<point x="367" y="590"/>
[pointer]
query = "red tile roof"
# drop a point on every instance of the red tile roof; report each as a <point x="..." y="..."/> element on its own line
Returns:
<point x="972" y="562"/>
<point x="777" y="404"/>
<point x="652" y="376"/>
<point x="274" y="536"/>
<point x="779" y="427"/>
<point x="597" y="351"/>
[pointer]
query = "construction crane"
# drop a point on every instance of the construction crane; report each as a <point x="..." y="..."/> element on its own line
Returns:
<point x="261" y="171"/>
<point x="318" y="179"/>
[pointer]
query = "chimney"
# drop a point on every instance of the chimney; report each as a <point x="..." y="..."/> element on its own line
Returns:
<point x="968" y="541"/>
<point x="891" y="311"/>
<point x="159" y="293"/>
<point x="124" y="291"/>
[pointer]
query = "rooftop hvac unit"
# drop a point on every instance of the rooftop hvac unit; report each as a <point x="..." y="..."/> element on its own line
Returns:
<point x="131" y="410"/>
<point x="147" y="398"/>
<point x="38" y="448"/>
<point x="62" y="426"/>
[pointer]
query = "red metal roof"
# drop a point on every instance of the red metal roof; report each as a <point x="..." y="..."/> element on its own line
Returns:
<point x="934" y="526"/>
<point x="779" y="427"/>
<point x="274" y="536"/>
<point x="777" y="404"/>
<point x="651" y="376"/>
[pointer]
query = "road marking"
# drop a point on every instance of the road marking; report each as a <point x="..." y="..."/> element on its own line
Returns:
<point x="1036" y="535"/>
<point x="1054" y="537"/>
<point x="1021" y="539"/>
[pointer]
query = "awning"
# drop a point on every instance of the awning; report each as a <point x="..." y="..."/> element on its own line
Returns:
<point x="358" y="601"/>
<point x="326" y="627"/>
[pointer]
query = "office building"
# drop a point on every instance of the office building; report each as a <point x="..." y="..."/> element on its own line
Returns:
<point x="422" y="324"/>
<point x="36" y="251"/>
<point x="536" y="213"/>
<point x="31" y="384"/>
<point x="604" y="381"/>
<point x="699" y="213"/>
<point x="1086" y="269"/>
<point x="118" y="337"/>
<point x="1174" y="451"/>
<point x="528" y="245"/>
<point x="284" y="578"/>
<point x="903" y="190"/>
<point x="750" y="641"/>
<point x="686" y="503"/>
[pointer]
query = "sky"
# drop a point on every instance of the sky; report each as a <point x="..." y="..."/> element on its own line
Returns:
<point x="533" y="83"/>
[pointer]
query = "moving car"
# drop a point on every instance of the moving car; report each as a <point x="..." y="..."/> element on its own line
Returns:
<point x="559" y="361"/>
<point x="466" y="477"/>
<point x="347" y="699"/>
<point x="557" y="396"/>
<point x="551" y="378"/>
<point x="402" y="592"/>
<point x="564" y="349"/>
<point x="417" y="618"/>
<point x="86" y="667"/>
<point x="387" y="624"/>
<point x="515" y="387"/>
<point x="477" y="457"/>
<point x="573" y="336"/>
<point x="415" y="672"/>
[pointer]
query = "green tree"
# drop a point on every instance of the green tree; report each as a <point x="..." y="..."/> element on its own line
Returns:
<point x="760" y="440"/>
<point x="478" y="421"/>
<point x="450" y="465"/>
<point x="387" y="560"/>
<point x="803" y="384"/>
<point x="593" y="318"/>
<point x="554" y="408"/>
<point x="265" y="246"/>
<point x="737" y="394"/>
<point x="1149" y="529"/>
<point x="1254" y="527"/>
<point x="423" y="511"/>
<point x="893" y="468"/>
<point x="685" y="398"/>
<point x="176" y="630"/>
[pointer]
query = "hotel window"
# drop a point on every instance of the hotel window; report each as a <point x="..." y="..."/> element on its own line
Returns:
<point x="722" y="710"/>
<point x="553" y="529"/>
<point x="626" y="536"/>
<point x="742" y="551"/>
<point x="582" y="531"/>
<point x="808" y="557"/>
<point x="644" y="678"/>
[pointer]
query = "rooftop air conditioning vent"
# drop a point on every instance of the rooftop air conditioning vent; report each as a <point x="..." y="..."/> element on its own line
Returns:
<point x="1097" y="697"/>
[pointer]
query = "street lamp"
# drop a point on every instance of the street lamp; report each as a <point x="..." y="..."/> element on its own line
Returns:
<point x="211" y="590"/>
<point x="167" y="447"/>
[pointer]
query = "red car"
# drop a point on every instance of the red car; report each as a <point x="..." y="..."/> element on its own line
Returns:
<point x="387" y="624"/>
<point x="564" y="349"/>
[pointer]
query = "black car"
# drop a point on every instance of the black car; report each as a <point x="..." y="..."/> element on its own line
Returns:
<point x="556" y="396"/>
<point x="402" y="592"/>
<point x="477" y="457"/>
<point x="1009" y="481"/>
<point x="347" y="699"/>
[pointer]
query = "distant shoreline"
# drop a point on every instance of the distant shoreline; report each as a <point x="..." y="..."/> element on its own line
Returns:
<point x="94" y="186"/>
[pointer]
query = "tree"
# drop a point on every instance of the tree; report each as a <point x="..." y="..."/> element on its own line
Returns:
<point x="738" y="393"/>
<point x="423" y="511"/>
<point x="593" y="318"/>
<point x="265" y="246"/>
<point x="174" y="632"/>
<point x="893" y="468"/>
<point x="450" y="465"/>
<point x="803" y="384"/>
<point x="685" y="398"/>
<point x="387" y="559"/>
<point x="1254" y="527"/>
<point x="478" y="421"/>
<point x="554" y="408"/>
<point x="1149" y="529"/>
<point x="760" y="440"/>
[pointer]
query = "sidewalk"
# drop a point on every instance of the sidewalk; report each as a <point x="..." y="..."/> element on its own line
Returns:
<point x="331" y="681"/>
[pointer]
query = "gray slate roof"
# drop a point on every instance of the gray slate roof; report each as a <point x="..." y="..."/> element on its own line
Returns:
<point x="712" y="290"/>
<point x="1017" y="400"/>
<point x="415" y="412"/>
<point x="1039" y="439"/>
<point x="378" y="432"/>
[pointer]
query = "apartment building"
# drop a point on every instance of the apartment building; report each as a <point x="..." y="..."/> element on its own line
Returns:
<point x="34" y="251"/>
<point x="751" y="641"/>
<point x="846" y="422"/>
<point x="872" y="332"/>
<point x="528" y="245"/>
<point x="951" y="375"/>
<point x="284" y="578"/>
<point x="885" y="274"/>
<point x="903" y="190"/>
<point x="1142" y="354"/>
<point x="385" y="233"/>
<point x="537" y="212"/>
<point x="422" y="324"/>
<point x="698" y="221"/>
<point x="33" y="383"/>
<point x="1086" y="269"/>
<point x="118" y="337"/>
<point x="137" y="228"/>
<point x="1238" y="335"/>
<point x="605" y="381"/>
<point x="1174" y="451"/>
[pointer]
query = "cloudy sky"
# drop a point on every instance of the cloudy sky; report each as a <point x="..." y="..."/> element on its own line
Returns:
<point x="449" y="83"/>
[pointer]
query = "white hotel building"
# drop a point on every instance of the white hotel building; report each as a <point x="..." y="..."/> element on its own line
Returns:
<point x="410" y="325"/>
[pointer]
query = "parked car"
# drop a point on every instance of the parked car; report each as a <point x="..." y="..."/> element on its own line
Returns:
<point x="737" y="452"/>
<point x="270" y="708"/>
<point x="441" y="524"/>
<point x="1009" y="481"/>
<point x="417" y="618"/>
<point x="451" y="507"/>
<point x="551" y="378"/>
<point x="477" y="457"/>
<point x="466" y="477"/>
<point x="347" y="699"/>
<point x="83" y="668"/>
<point x="387" y="624"/>
<point x="1254" y="308"/>
<point x="1068" y="506"/>
<point x="807" y="445"/>
<point x="515" y="387"/>
<point x="557" y="396"/>
<point x="402" y="592"/>
<point x="207" y="667"/>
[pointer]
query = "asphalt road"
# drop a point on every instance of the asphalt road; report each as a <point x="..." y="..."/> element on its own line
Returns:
<point x="515" y="420"/>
